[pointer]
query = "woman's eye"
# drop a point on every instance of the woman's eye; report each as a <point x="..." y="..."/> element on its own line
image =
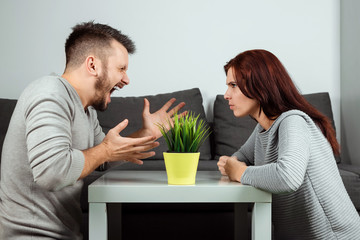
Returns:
<point x="233" y="85"/>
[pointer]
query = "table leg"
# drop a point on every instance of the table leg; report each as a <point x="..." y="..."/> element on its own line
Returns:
<point x="115" y="221"/>
<point x="97" y="221"/>
<point x="240" y="221"/>
<point x="261" y="222"/>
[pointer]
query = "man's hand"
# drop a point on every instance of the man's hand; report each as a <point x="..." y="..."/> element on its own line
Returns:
<point x="114" y="147"/>
<point x="161" y="116"/>
<point x="125" y="148"/>
<point x="232" y="167"/>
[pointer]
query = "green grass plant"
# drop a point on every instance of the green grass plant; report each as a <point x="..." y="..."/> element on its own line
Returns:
<point x="186" y="134"/>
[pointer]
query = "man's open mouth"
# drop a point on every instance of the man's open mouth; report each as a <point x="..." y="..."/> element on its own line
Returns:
<point x="115" y="88"/>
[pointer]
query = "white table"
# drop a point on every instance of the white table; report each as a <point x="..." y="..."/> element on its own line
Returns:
<point x="151" y="187"/>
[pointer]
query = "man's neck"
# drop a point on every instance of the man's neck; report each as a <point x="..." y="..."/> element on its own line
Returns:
<point x="75" y="80"/>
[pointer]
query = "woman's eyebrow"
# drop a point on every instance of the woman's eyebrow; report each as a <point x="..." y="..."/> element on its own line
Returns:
<point x="232" y="82"/>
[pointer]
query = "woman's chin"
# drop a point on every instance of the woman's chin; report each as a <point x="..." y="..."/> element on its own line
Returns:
<point x="239" y="115"/>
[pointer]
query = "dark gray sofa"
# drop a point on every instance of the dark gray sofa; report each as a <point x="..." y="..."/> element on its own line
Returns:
<point x="192" y="220"/>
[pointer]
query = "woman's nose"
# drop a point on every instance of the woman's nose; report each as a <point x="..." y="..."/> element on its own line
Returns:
<point x="226" y="95"/>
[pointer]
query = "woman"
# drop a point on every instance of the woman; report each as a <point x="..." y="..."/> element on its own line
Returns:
<point x="290" y="152"/>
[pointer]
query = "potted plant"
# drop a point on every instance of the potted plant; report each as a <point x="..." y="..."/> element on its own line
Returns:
<point x="183" y="136"/>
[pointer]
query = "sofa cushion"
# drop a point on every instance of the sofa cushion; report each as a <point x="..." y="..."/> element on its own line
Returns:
<point x="156" y="165"/>
<point x="321" y="101"/>
<point x="7" y="107"/>
<point x="230" y="133"/>
<point x="131" y="108"/>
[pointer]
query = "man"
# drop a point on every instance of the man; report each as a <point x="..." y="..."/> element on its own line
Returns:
<point x="54" y="139"/>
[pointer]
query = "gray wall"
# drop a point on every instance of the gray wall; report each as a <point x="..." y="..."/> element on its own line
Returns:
<point x="350" y="81"/>
<point x="181" y="44"/>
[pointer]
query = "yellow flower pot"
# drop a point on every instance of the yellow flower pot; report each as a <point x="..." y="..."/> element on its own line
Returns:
<point x="181" y="168"/>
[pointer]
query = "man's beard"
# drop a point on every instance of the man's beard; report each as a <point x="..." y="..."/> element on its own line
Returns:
<point x="101" y="92"/>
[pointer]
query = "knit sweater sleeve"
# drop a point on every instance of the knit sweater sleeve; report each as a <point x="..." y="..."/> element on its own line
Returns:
<point x="283" y="172"/>
<point x="99" y="135"/>
<point x="246" y="151"/>
<point x="55" y="164"/>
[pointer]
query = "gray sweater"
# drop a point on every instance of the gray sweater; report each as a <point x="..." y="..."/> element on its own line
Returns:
<point x="294" y="161"/>
<point x="42" y="161"/>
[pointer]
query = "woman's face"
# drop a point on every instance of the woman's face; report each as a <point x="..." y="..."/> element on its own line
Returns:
<point x="238" y="102"/>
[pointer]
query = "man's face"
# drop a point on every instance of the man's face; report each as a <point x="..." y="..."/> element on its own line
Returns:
<point x="113" y="76"/>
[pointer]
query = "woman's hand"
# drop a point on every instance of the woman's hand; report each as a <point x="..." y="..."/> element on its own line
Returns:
<point x="231" y="167"/>
<point x="221" y="164"/>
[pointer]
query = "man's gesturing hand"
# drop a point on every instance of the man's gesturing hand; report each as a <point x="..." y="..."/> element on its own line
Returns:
<point x="163" y="115"/>
<point x="125" y="148"/>
<point x="114" y="147"/>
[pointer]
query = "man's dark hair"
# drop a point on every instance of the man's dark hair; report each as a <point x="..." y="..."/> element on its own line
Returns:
<point x="94" y="38"/>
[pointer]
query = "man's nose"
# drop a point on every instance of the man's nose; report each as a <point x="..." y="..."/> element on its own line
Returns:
<point x="125" y="79"/>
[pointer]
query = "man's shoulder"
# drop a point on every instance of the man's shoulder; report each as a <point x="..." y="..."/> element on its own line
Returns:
<point x="46" y="84"/>
<point x="48" y="88"/>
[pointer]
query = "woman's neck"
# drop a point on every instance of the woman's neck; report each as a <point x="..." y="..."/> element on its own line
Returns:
<point x="263" y="120"/>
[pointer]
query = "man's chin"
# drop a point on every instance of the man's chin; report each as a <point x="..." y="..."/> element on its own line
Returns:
<point x="100" y="107"/>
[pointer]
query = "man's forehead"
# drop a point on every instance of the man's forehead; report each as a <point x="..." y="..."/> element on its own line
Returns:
<point x="119" y="47"/>
<point x="119" y="55"/>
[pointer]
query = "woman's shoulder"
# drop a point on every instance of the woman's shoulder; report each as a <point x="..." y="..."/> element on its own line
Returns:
<point x="291" y="119"/>
<point x="293" y="115"/>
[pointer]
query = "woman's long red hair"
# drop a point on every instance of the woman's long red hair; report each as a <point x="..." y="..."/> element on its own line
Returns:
<point x="260" y="75"/>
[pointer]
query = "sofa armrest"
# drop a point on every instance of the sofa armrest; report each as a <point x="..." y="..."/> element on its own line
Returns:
<point x="349" y="168"/>
<point x="350" y="175"/>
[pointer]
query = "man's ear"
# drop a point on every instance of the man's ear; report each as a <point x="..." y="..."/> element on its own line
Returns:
<point x="91" y="65"/>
